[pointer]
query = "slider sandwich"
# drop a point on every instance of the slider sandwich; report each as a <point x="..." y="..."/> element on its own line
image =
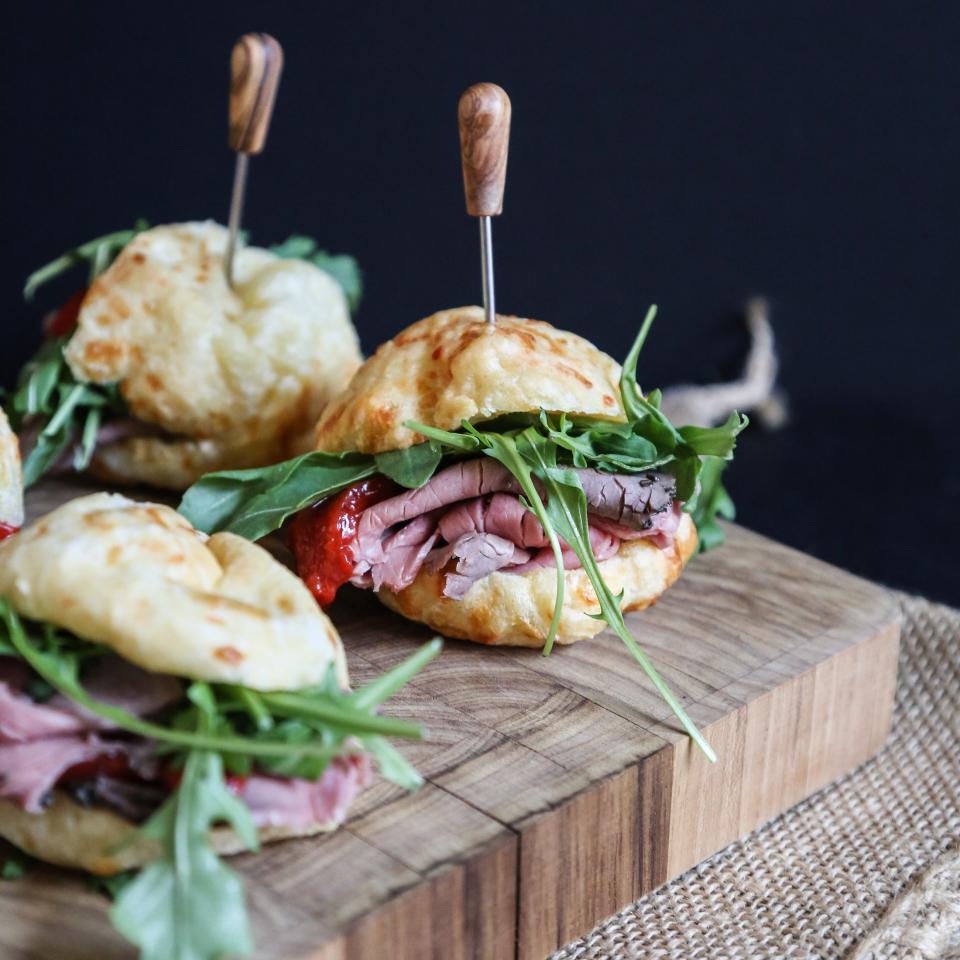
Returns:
<point x="166" y="697"/>
<point x="503" y="483"/>
<point x="159" y="371"/>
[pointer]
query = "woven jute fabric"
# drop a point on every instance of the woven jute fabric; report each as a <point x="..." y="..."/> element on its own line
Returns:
<point x="866" y="869"/>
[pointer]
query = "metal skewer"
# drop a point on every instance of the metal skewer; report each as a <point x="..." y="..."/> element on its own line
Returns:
<point x="255" y="67"/>
<point x="484" y="119"/>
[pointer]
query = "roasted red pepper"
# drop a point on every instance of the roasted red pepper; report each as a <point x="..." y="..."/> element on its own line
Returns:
<point x="61" y="321"/>
<point x="109" y="765"/>
<point x="321" y="536"/>
<point x="7" y="530"/>
<point x="170" y="777"/>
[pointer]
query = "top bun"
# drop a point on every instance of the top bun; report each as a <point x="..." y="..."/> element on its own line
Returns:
<point x="455" y="366"/>
<point x="138" y="578"/>
<point x="11" y="479"/>
<point x="202" y="360"/>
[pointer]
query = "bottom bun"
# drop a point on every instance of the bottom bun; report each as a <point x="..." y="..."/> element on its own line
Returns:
<point x="92" y="838"/>
<point x="176" y="463"/>
<point x="516" y="609"/>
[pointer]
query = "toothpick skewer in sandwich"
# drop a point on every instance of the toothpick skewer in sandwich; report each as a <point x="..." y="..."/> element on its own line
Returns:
<point x="165" y="696"/>
<point x="503" y="482"/>
<point x="161" y="368"/>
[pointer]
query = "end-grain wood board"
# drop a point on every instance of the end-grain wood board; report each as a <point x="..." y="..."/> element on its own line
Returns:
<point x="558" y="789"/>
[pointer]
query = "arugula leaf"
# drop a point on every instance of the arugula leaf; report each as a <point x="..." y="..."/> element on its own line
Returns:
<point x="13" y="868"/>
<point x="505" y="450"/>
<point x="341" y="266"/>
<point x="47" y="391"/>
<point x="563" y="513"/>
<point x="188" y="904"/>
<point x="253" y="502"/>
<point x="412" y="466"/>
<point x="711" y="501"/>
<point x="97" y="254"/>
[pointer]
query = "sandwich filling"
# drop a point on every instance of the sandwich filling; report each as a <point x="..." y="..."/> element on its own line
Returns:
<point x="48" y="741"/>
<point x="469" y="521"/>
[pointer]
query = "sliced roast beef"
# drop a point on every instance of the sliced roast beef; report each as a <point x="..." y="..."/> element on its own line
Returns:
<point x="471" y="513"/>
<point x="630" y="499"/>
<point x="604" y="545"/>
<point x="22" y="720"/>
<point x="28" y="771"/>
<point x="110" y="679"/>
<point x="501" y="514"/>
<point x="661" y="531"/>
<point x="462" y="481"/>
<point x="477" y="555"/>
<point x="119" y="683"/>
<point x="276" y="802"/>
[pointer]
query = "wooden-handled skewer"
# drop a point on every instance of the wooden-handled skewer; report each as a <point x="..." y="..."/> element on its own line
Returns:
<point x="484" y="115"/>
<point x="255" y="67"/>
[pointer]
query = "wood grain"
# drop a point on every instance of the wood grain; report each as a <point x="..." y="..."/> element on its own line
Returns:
<point x="559" y="789"/>
<point x="255" y="67"/>
<point x="484" y="119"/>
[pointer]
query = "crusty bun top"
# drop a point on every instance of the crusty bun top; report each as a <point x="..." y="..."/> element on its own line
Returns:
<point x="138" y="578"/>
<point x="454" y="366"/>
<point x="197" y="358"/>
<point x="11" y="479"/>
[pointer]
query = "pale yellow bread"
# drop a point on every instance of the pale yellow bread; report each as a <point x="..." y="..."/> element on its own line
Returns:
<point x="176" y="463"/>
<point x="138" y="578"/>
<point x="90" y="838"/>
<point x="249" y="368"/>
<point x="11" y="477"/>
<point x="513" y="609"/>
<point x="454" y="366"/>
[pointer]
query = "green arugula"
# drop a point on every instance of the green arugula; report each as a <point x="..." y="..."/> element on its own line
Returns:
<point x="187" y="904"/>
<point x="71" y="411"/>
<point x="96" y="255"/>
<point x="47" y="392"/>
<point x="13" y="868"/>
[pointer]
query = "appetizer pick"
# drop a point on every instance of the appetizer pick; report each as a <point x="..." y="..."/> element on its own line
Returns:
<point x="505" y="483"/>
<point x="11" y="481"/>
<point x="159" y="371"/>
<point x="165" y="697"/>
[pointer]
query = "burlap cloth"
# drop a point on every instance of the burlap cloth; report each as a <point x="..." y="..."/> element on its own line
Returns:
<point x="868" y="868"/>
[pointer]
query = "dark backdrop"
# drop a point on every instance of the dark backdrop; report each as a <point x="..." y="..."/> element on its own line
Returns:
<point x="688" y="154"/>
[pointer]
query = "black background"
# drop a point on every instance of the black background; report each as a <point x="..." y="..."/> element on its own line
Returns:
<point x="683" y="153"/>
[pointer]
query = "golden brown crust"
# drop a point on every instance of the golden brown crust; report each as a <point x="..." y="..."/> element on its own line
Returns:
<point x="207" y="362"/>
<point x="454" y="366"/>
<point x="89" y="838"/>
<point x="516" y="609"/>
<point x="11" y="478"/>
<point x="138" y="578"/>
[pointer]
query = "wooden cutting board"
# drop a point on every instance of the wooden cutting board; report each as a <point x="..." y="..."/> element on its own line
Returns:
<point x="558" y="789"/>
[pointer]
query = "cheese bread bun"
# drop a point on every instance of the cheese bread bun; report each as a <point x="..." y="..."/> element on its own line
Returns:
<point x="11" y="480"/>
<point x="138" y="578"/>
<point x="454" y="366"/>
<point x="229" y="377"/>
<point x="515" y="609"/>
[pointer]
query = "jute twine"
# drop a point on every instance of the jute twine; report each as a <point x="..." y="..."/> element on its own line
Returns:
<point x="867" y="869"/>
